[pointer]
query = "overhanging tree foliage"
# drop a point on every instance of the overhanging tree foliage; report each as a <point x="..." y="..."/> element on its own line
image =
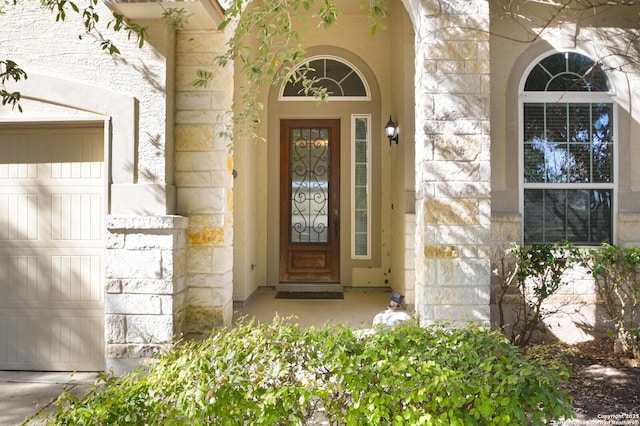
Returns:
<point x="273" y="24"/>
<point x="534" y="17"/>
<point x="9" y="70"/>
<point x="267" y="43"/>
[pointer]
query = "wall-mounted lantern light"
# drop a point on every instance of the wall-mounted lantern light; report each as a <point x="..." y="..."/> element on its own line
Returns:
<point x="392" y="131"/>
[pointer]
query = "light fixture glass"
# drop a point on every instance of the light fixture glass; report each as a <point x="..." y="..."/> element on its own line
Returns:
<point x="391" y="130"/>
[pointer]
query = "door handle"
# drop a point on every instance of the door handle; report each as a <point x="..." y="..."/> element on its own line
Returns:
<point x="336" y="223"/>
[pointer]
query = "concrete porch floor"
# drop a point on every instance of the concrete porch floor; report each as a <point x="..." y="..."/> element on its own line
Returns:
<point x="356" y="310"/>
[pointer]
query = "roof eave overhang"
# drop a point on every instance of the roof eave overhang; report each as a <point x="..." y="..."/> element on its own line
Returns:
<point x="203" y="14"/>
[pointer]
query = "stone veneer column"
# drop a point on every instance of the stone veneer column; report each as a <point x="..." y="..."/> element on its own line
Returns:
<point x="204" y="179"/>
<point x="145" y="292"/>
<point x="453" y="175"/>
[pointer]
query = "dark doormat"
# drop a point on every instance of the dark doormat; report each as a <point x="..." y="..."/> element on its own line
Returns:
<point x="310" y="295"/>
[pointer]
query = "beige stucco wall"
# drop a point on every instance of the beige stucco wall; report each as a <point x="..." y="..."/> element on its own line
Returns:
<point x="250" y="212"/>
<point x="403" y="201"/>
<point x="249" y="218"/>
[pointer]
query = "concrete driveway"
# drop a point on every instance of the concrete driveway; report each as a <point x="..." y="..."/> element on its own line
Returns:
<point x="24" y="394"/>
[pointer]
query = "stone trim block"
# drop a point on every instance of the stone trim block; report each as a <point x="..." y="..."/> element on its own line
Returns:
<point x="149" y="329"/>
<point x="457" y="234"/>
<point x="209" y="280"/>
<point x="197" y="161"/>
<point x="440" y="252"/>
<point x="452" y="211"/>
<point x="206" y="237"/>
<point x="459" y="315"/>
<point x="127" y="222"/>
<point x="149" y="240"/>
<point x="138" y="304"/>
<point x="200" y="41"/>
<point x="135" y="351"/>
<point x="193" y="101"/>
<point x="121" y="263"/>
<point x="141" y="286"/>
<point x="457" y="296"/>
<point x="115" y="329"/>
<point x="202" y="200"/>
<point x="113" y="286"/>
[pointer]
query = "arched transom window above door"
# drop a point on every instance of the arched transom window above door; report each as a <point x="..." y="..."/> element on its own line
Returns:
<point x="342" y="80"/>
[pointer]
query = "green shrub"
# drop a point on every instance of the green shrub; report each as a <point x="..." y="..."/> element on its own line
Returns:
<point x="617" y="273"/>
<point x="441" y="376"/>
<point x="278" y="374"/>
<point x="532" y="274"/>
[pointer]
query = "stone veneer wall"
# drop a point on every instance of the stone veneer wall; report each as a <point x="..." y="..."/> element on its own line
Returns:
<point x="452" y="161"/>
<point x="204" y="180"/>
<point x="145" y="289"/>
<point x="629" y="229"/>
<point x="171" y="276"/>
<point x="505" y="230"/>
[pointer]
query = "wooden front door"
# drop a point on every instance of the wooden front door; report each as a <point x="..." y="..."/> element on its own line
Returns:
<point x="310" y="201"/>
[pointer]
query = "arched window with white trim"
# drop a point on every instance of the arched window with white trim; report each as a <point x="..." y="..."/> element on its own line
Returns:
<point x="567" y="146"/>
<point x="342" y="80"/>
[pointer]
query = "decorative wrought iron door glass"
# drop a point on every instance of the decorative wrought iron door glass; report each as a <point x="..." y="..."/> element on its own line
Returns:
<point x="310" y="159"/>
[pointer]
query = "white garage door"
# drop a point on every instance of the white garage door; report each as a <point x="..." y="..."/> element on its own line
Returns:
<point x="51" y="286"/>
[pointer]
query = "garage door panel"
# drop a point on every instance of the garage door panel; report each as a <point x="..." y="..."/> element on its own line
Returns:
<point x="73" y="216"/>
<point x="18" y="216"/>
<point x="76" y="340"/>
<point x="76" y="278"/>
<point x="15" y="346"/>
<point x="57" y="278"/>
<point x="52" y="340"/>
<point x="18" y="171"/>
<point x="77" y="156"/>
<point x="24" y="148"/>
<point x="14" y="247"/>
<point x="51" y="249"/>
<point x="19" y="280"/>
<point x="53" y="154"/>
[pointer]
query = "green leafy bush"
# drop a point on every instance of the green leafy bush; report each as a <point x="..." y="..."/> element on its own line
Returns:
<point x="617" y="273"/>
<point x="279" y="374"/>
<point x="532" y="274"/>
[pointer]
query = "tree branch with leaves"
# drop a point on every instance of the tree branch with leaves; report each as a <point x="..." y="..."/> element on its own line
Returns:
<point x="9" y="70"/>
<point x="549" y="13"/>
<point x="272" y="24"/>
<point x="267" y="46"/>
